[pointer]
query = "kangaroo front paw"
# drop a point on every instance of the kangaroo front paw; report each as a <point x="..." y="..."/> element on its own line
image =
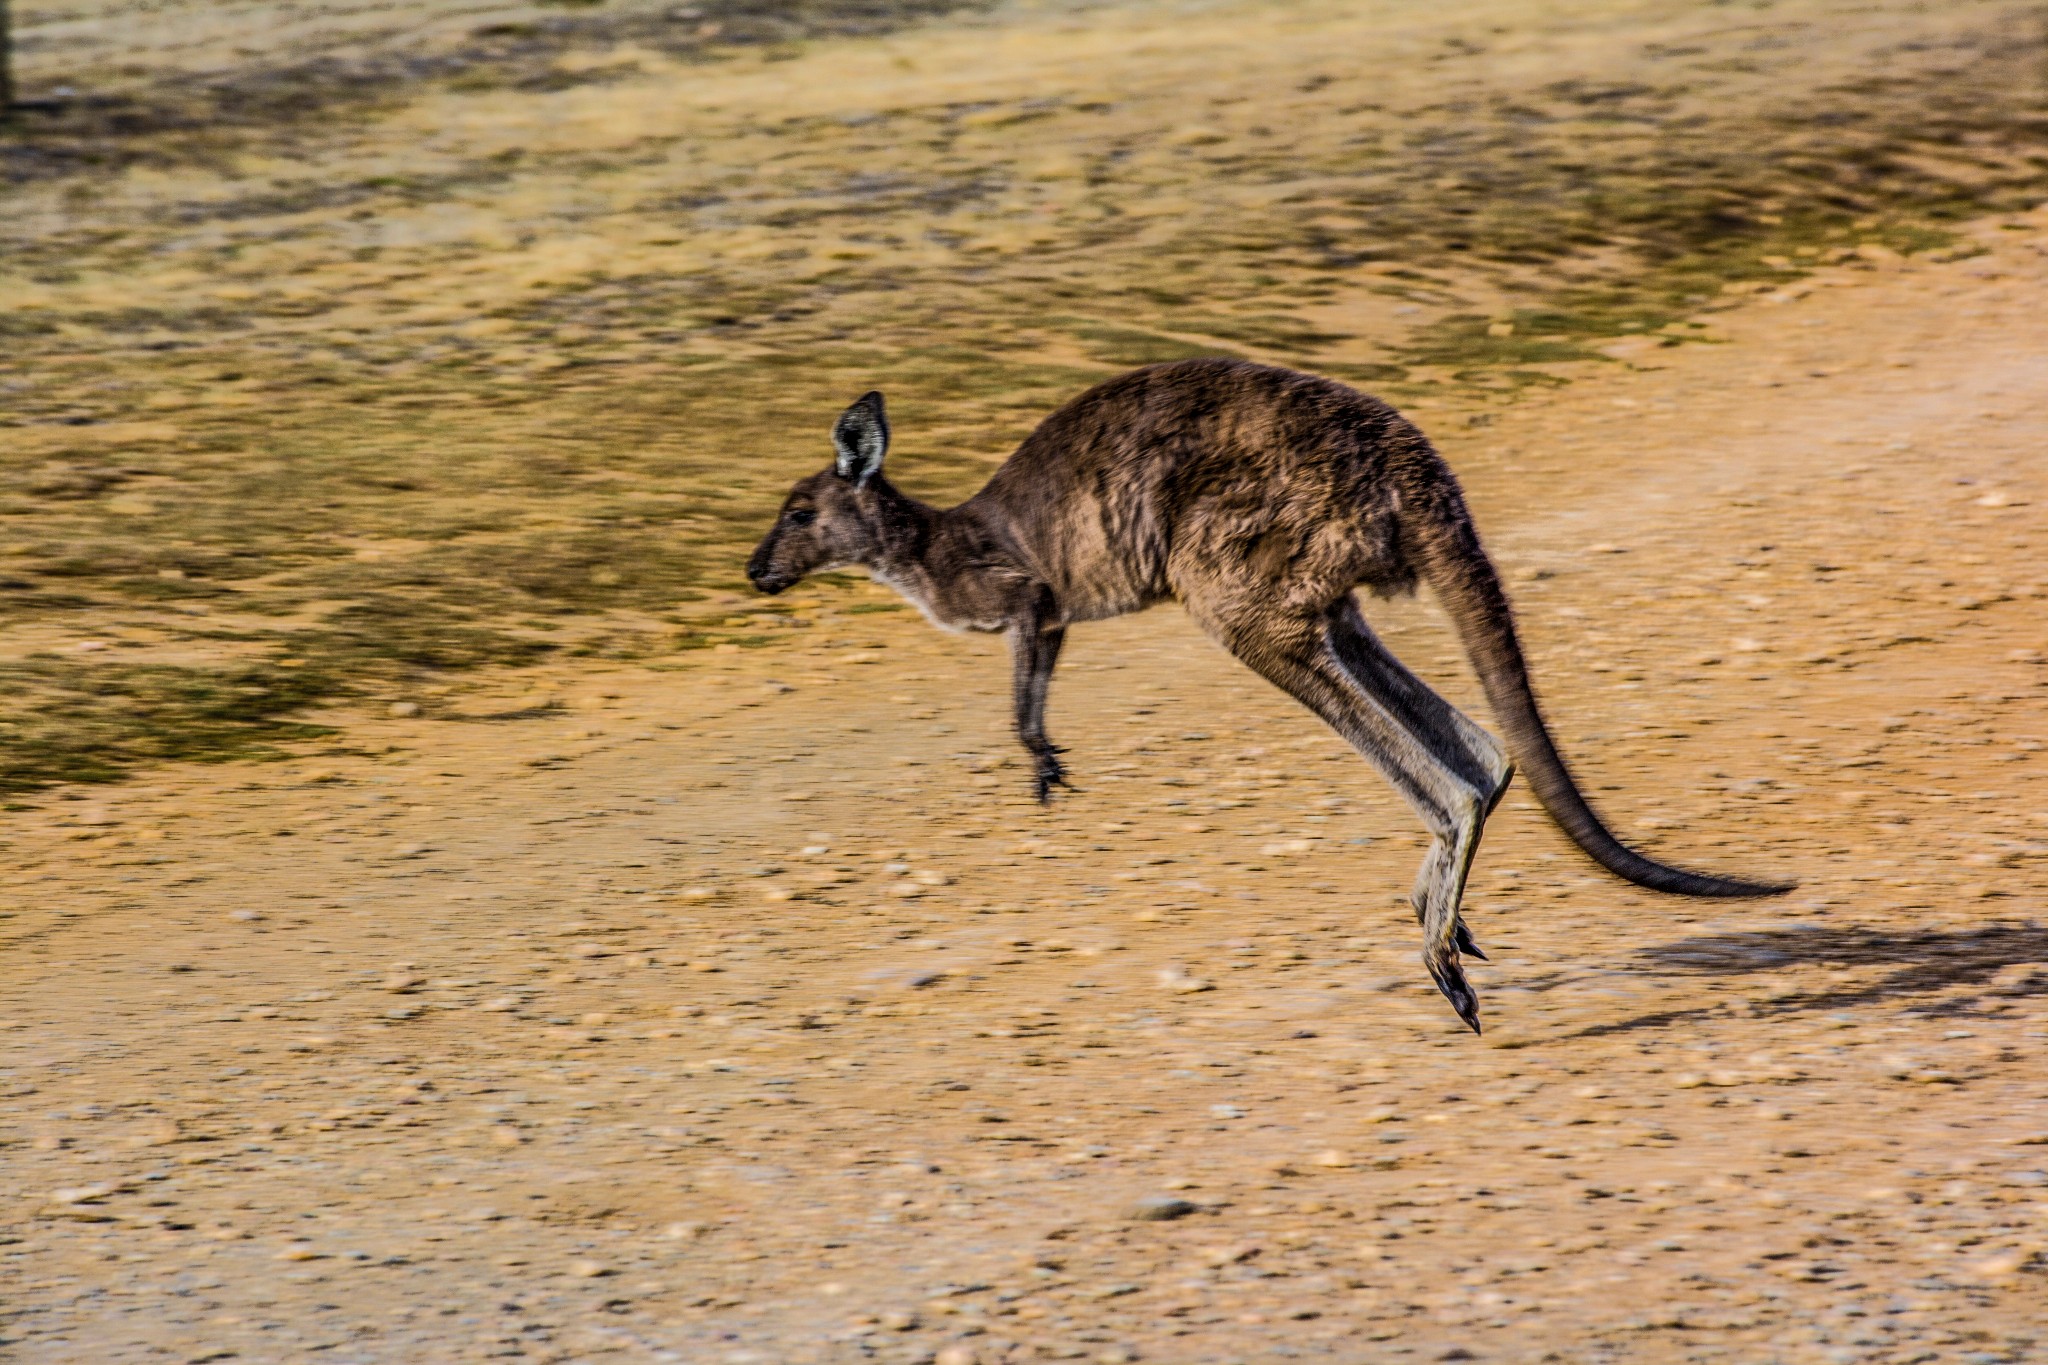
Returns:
<point x="1050" y="773"/>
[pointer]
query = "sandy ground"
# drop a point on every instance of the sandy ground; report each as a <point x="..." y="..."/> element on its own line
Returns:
<point x="750" y="1011"/>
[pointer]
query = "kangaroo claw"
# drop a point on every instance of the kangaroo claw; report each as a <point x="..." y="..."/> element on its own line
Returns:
<point x="1051" y="773"/>
<point x="1466" y="945"/>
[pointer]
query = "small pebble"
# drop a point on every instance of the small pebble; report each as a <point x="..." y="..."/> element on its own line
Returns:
<point x="588" y="1270"/>
<point x="2004" y="1264"/>
<point x="1160" y="1208"/>
<point x="158" y="1132"/>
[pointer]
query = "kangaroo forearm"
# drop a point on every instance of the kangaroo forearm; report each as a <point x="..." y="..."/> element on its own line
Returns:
<point x="1036" y="651"/>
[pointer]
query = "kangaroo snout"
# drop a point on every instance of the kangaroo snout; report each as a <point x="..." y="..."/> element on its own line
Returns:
<point x="761" y="569"/>
<point x="762" y="574"/>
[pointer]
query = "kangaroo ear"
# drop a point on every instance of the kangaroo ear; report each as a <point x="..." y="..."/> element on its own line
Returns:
<point x="861" y="436"/>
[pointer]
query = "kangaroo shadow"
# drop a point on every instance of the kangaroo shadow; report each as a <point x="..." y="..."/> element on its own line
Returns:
<point x="1927" y="962"/>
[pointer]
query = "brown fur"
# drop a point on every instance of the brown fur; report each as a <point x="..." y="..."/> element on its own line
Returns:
<point x="1261" y="499"/>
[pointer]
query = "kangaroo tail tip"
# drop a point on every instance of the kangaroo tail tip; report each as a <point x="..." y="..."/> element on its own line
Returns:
<point x="1631" y="866"/>
<point x="1730" y="889"/>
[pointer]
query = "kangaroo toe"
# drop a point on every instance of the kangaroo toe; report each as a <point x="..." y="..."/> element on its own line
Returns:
<point x="1050" y="773"/>
<point x="1462" y="936"/>
<point x="1450" y="979"/>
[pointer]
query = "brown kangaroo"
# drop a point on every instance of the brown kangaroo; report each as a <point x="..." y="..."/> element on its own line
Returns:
<point x="1261" y="498"/>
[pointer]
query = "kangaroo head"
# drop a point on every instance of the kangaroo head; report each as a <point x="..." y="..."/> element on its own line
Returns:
<point x="831" y="518"/>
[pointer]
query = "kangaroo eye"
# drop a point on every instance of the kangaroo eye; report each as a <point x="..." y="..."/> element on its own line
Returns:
<point x="802" y="516"/>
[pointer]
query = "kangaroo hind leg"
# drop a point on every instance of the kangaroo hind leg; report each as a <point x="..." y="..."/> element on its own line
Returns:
<point x="1454" y="738"/>
<point x="1445" y="786"/>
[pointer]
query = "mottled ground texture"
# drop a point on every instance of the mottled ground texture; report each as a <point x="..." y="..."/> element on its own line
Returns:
<point x="450" y="919"/>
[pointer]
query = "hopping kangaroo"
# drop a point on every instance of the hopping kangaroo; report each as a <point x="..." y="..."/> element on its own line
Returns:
<point x="1261" y="498"/>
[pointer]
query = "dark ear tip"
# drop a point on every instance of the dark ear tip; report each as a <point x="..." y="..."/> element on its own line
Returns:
<point x="871" y="399"/>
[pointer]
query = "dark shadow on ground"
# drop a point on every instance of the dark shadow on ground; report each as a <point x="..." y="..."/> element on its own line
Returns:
<point x="1928" y="962"/>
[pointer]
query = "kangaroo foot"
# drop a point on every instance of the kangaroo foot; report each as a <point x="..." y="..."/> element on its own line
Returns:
<point x="1462" y="936"/>
<point x="1450" y="979"/>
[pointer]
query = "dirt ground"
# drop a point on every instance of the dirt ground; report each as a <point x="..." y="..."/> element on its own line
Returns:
<point x="735" y="1003"/>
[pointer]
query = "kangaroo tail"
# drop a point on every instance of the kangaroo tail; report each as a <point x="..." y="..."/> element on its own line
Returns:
<point x="1446" y="547"/>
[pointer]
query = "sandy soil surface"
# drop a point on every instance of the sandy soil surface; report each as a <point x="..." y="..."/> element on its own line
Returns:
<point x="752" y="1012"/>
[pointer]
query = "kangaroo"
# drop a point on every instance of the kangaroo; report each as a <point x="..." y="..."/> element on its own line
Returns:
<point x="1261" y="498"/>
